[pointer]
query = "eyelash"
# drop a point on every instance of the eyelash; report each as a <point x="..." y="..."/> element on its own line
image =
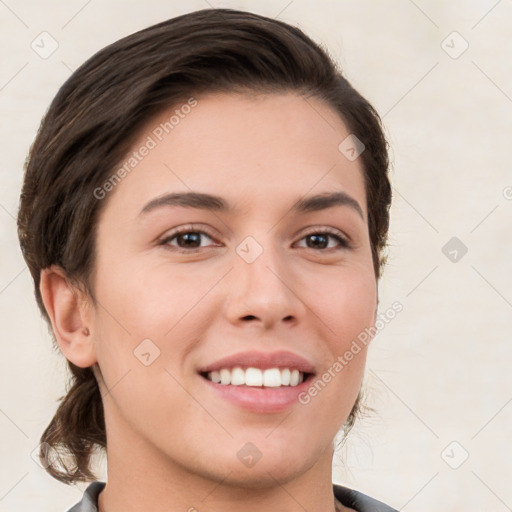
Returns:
<point x="344" y="243"/>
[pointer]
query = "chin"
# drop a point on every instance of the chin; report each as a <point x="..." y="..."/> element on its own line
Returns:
<point x="261" y="476"/>
<point x="265" y="469"/>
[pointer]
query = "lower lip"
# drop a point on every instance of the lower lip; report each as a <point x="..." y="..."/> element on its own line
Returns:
<point x="260" y="400"/>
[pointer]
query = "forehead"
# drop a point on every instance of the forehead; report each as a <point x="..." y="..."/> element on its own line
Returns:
<point x="264" y="148"/>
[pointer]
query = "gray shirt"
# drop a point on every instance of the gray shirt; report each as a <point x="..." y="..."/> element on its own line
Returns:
<point x="349" y="497"/>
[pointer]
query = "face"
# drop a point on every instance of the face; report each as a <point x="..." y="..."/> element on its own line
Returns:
<point x="261" y="275"/>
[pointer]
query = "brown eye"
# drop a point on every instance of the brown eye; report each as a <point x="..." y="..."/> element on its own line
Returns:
<point x="320" y="240"/>
<point x="186" y="240"/>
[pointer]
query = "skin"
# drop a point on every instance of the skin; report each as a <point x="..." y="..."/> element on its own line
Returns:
<point x="172" y="444"/>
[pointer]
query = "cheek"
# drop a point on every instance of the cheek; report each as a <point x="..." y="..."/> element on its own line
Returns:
<point x="142" y="335"/>
<point x="346" y="304"/>
<point x="163" y="303"/>
<point x="147" y="300"/>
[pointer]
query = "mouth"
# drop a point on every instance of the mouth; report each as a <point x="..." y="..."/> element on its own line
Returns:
<point x="258" y="391"/>
<point x="257" y="381"/>
<point x="251" y="377"/>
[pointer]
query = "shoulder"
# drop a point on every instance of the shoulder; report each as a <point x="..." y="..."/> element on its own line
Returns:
<point x="89" y="501"/>
<point x="358" y="501"/>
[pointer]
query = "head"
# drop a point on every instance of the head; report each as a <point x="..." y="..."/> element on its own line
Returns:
<point x="234" y="105"/>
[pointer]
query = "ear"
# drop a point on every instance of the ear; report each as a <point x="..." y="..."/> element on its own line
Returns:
<point x="67" y="308"/>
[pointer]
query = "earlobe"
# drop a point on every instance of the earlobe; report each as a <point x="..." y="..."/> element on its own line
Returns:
<point x="64" y="304"/>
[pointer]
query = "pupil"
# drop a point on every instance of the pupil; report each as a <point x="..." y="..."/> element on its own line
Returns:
<point x="316" y="237"/>
<point x="188" y="236"/>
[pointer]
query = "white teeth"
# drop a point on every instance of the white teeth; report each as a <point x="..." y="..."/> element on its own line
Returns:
<point x="271" y="378"/>
<point x="225" y="376"/>
<point x="294" y="378"/>
<point x="237" y="377"/>
<point x="253" y="377"/>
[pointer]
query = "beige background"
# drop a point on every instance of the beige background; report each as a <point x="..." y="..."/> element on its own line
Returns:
<point x="439" y="372"/>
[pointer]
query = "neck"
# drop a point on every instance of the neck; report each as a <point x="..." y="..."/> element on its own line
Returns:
<point x="141" y="477"/>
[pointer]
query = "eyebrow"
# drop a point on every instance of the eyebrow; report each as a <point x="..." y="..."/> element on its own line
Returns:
<point x="204" y="201"/>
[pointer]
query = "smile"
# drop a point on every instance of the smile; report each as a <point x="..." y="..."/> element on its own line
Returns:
<point x="260" y="398"/>
<point x="255" y="377"/>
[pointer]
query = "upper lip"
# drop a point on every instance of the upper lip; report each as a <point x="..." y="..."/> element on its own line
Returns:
<point x="262" y="360"/>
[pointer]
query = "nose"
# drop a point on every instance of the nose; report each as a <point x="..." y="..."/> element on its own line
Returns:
<point x="262" y="288"/>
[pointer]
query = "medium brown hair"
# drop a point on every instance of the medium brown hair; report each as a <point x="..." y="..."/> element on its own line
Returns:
<point x="97" y="115"/>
